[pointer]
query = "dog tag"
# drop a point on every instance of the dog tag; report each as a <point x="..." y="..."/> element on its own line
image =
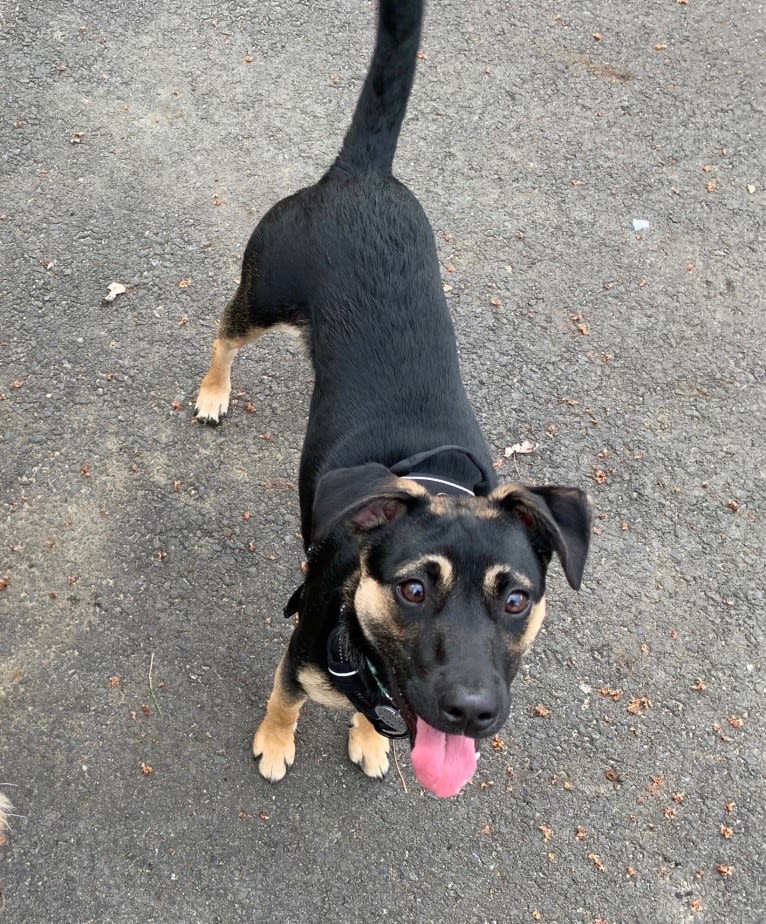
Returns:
<point x="391" y="721"/>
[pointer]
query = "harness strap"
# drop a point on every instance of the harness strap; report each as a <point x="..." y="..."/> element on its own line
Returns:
<point x="363" y="687"/>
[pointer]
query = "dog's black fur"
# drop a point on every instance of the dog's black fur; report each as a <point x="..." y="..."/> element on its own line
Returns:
<point x="351" y="263"/>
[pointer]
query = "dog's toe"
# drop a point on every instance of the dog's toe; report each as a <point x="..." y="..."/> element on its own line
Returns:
<point x="367" y="748"/>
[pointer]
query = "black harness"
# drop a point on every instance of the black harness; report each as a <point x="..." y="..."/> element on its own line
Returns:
<point x="352" y="673"/>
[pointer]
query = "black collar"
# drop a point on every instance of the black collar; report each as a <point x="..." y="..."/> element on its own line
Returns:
<point x="456" y="458"/>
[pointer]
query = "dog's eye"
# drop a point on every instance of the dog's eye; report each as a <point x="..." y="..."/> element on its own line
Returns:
<point x="412" y="591"/>
<point x="516" y="602"/>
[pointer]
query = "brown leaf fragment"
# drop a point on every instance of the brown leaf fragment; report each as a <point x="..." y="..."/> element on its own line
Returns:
<point x="639" y="705"/>
<point x="726" y="832"/>
<point x="718" y="729"/>
<point x="699" y="685"/>
<point x="616" y="695"/>
<point x="597" y="862"/>
<point x="724" y="871"/>
<point x="146" y="769"/>
<point x="542" y="711"/>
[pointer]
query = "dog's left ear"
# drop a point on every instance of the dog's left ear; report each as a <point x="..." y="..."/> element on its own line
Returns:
<point x="364" y="497"/>
<point x="564" y="515"/>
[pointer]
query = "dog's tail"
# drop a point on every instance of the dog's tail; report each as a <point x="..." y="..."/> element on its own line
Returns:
<point x="370" y="143"/>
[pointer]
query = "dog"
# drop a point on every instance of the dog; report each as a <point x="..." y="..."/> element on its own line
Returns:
<point x="425" y="578"/>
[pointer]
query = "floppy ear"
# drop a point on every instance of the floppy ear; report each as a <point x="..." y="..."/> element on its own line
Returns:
<point x="563" y="515"/>
<point x="363" y="497"/>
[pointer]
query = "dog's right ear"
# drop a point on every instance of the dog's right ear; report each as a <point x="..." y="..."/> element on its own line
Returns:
<point x="364" y="497"/>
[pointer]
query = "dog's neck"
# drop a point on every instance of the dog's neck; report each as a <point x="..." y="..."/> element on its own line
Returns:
<point x="447" y="470"/>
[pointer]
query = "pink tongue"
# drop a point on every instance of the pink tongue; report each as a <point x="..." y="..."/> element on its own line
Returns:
<point x="443" y="763"/>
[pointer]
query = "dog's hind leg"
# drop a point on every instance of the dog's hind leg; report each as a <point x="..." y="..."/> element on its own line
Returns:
<point x="274" y="742"/>
<point x="234" y="331"/>
<point x="274" y="292"/>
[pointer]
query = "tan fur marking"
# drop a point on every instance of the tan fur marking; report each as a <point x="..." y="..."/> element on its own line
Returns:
<point x="494" y="571"/>
<point x="534" y="623"/>
<point x="446" y="575"/>
<point x="411" y="487"/>
<point x="319" y="688"/>
<point x="504" y="490"/>
<point x="274" y="742"/>
<point x="215" y="388"/>
<point x="366" y="747"/>
<point x="374" y="606"/>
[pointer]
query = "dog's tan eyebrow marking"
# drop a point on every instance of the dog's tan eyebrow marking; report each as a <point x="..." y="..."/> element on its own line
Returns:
<point x="425" y="563"/>
<point x="496" y="572"/>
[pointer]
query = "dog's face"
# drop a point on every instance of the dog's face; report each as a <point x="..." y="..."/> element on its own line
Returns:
<point x="451" y="590"/>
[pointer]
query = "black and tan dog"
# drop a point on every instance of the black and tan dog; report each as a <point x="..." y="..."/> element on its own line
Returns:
<point x="426" y="579"/>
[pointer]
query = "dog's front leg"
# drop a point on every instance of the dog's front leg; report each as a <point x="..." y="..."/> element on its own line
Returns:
<point x="366" y="747"/>
<point x="274" y="742"/>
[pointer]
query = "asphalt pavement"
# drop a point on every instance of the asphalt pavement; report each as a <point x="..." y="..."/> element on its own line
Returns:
<point x="595" y="177"/>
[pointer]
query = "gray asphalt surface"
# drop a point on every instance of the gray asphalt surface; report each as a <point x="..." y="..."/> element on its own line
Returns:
<point x="140" y="143"/>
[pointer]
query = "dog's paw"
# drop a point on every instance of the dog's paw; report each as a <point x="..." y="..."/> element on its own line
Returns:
<point x="274" y="748"/>
<point x="212" y="404"/>
<point x="367" y="748"/>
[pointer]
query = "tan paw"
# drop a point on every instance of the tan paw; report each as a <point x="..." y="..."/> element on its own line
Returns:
<point x="212" y="404"/>
<point x="367" y="748"/>
<point x="274" y="746"/>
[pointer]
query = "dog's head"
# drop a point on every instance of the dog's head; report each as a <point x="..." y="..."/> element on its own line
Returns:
<point x="450" y="593"/>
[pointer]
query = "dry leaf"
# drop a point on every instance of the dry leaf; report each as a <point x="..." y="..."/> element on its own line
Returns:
<point x="521" y="449"/>
<point x="115" y="289"/>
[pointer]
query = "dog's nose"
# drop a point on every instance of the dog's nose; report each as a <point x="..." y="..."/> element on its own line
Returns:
<point x="469" y="712"/>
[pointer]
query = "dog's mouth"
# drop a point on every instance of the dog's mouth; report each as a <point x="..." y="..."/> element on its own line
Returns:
<point x="443" y="762"/>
